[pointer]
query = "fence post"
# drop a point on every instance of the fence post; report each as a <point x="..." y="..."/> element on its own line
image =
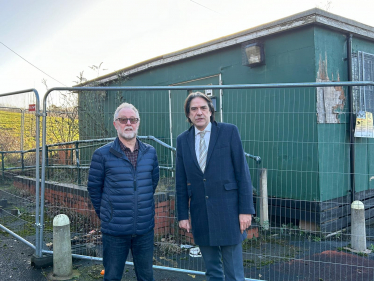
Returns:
<point x="358" y="230"/>
<point x="78" y="168"/>
<point x="22" y="160"/>
<point x="46" y="161"/>
<point x="71" y="156"/>
<point x="2" y="165"/>
<point x="264" y="212"/>
<point x="22" y="127"/>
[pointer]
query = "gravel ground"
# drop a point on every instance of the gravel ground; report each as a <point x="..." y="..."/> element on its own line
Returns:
<point x="317" y="264"/>
<point x="15" y="264"/>
<point x="15" y="260"/>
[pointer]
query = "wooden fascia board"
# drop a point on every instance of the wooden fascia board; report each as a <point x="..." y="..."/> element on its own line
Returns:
<point x="345" y="26"/>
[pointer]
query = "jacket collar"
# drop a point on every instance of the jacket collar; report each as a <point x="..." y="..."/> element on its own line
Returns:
<point x="116" y="150"/>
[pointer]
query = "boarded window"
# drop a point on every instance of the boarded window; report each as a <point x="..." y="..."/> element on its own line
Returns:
<point x="363" y="96"/>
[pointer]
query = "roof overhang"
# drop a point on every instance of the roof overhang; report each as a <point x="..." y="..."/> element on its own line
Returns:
<point x="309" y="17"/>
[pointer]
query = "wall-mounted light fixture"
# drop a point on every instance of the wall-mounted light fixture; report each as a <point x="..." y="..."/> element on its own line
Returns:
<point x="253" y="54"/>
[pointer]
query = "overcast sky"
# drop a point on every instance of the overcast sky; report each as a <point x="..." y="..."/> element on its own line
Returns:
<point x="57" y="39"/>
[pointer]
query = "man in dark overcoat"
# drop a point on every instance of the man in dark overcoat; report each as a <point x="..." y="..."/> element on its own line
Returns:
<point x="213" y="184"/>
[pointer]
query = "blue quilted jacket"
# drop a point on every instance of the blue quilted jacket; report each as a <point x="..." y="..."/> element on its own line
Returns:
<point x="121" y="195"/>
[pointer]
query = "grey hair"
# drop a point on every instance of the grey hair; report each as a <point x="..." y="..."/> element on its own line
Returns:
<point x="125" y="105"/>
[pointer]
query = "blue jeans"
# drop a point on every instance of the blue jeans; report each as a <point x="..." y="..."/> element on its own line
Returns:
<point x="116" y="249"/>
<point x="232" y="257"/>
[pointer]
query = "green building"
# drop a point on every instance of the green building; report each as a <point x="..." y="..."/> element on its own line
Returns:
<point x="301" y="134"/>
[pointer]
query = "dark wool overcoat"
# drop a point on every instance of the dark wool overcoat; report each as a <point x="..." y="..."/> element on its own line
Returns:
<point x="216" y="197"/>
<point x="121" y="195"/>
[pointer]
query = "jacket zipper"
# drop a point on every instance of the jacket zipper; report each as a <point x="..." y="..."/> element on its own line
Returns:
<point x="140" y="155"/>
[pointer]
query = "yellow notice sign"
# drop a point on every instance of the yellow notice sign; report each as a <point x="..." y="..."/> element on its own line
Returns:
<point x="364" y="125"/>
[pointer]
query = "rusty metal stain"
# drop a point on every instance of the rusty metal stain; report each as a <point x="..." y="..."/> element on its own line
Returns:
<point x="331" y="100"/>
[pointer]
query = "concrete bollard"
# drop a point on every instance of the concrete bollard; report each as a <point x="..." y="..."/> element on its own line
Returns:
<point x="62" y="259"/>
<point x="358" y="231"/>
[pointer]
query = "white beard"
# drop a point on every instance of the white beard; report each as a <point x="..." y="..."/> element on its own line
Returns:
<point x="129" y="135"/>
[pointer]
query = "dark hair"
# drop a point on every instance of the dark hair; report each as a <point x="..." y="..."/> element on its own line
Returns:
<point x="190" y="97"/>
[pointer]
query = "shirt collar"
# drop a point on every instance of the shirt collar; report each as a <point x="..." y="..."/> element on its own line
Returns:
<point x="207" y="129"/>
<point x="124" y="147"/>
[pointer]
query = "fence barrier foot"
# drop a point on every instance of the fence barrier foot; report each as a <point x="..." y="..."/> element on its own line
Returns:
<point x="41" y="262"/>
<point x="3" y="203"/>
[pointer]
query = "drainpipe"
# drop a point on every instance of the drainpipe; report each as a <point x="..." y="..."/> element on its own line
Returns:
<point x="351" y="120"/>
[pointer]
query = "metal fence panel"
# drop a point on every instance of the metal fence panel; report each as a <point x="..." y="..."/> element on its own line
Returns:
<point x="304" y="146"/>
<point x="19" y="147"/>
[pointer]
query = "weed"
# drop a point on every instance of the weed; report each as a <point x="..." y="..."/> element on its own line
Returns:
<point x="342" y="249"/>
<point x="248" y="262"/>
<point x="317" y="239"/>
<point x="264" y="263"/>
<point x="167" y="248"/>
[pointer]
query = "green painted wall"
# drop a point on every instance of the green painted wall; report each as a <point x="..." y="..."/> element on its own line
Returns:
<point x="333" y="139"/>
<point x="305" y="160"/>
<point x="279" y="124"/>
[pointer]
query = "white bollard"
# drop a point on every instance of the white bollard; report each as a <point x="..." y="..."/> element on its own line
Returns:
<point x="62" y="259"/>
<point x="358" y="231"/>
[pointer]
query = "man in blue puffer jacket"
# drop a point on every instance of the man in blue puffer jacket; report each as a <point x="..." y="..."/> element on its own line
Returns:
<point x="122" y="180"/>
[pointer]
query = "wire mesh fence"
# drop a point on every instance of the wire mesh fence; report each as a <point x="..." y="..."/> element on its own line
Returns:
<point x="18" y="137"/>
<point x="304" y="146"/>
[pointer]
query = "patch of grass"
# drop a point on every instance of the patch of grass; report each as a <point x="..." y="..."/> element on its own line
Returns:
<point x="263" y="239"/>
<point x="59" y="128"/>
<point x="265" y="263"/>
<point x="317" y="239"/>
<point x="8" y="220"/>
<point x="341" y="249"/>
<point x="248" y="262"/>
<point x="6" y="184"/>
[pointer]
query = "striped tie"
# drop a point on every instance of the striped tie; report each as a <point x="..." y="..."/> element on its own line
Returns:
<point x="202" y="151"/>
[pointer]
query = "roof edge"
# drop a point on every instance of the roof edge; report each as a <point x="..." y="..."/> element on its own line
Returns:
<point x="312" y="16"/>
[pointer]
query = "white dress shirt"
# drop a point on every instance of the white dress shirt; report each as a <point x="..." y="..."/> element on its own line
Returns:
<point x="207" y="130"/>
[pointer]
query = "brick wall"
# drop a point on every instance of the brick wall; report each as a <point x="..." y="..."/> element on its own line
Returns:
<point x="76" y="198"/>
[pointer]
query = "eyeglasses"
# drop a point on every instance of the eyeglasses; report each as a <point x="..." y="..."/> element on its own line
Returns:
<point x="125" y="120"/>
